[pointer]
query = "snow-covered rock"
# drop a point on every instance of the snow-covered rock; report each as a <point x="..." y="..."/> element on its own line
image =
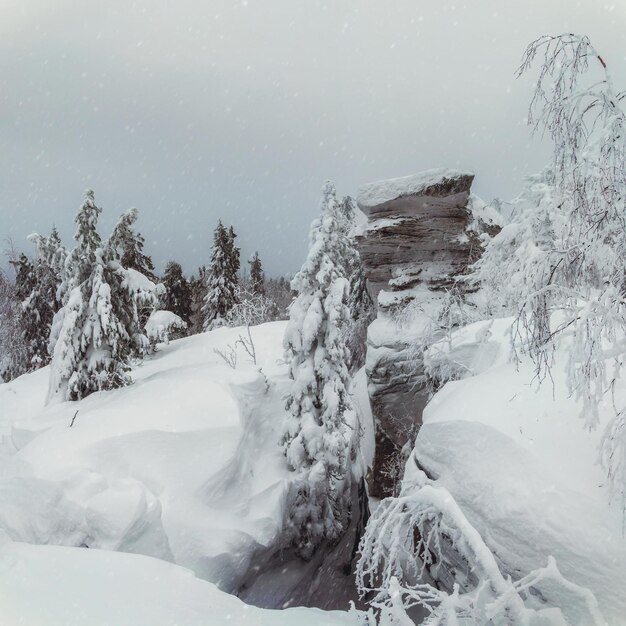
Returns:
<point x="414" y="224"/>
<point x="421" y="233"/>
<point x="468" y="351"/>
<point x="373" y="197"/>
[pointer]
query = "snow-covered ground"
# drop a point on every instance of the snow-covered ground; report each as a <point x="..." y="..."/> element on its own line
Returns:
<point x="184" y="465"/>
<point x="516" y="458"/>
<point x="59" y="586"/>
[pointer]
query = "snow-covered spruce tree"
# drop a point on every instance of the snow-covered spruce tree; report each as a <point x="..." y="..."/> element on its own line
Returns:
<point x="360" y="303"/>
<point x="279" y="291"/>
<point x="43" y="301"/>
<point x="197" y="286"/>
<point x="14" y="354"/>
<point x="234" y="257"/>
<point x="134" y="258"/>
<point x="578" y="258"/>
<point x="35" y="315"/>
<point x="138" y="290"/>
<point x="257" y="276"/>
<point x="24" y="276"/>
<point x="97" y="331"/>
<point x="316" y="442"/>
<point x="135" y="295"/>
<point x="221" y="279"/>
<point x="177" y="297"/>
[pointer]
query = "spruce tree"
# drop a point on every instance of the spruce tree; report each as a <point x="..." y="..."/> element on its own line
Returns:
<point x="233" y="255"/>
<point x="43" y="301"/>
<point x="360" y="303"/>
<point x="134" y="295"/>
<point x="24" y="323"/>
<point x="221" y="279"/>
<point x="14" y="357"/>
<point x="177" y="298"/>
<point x="24" y="277"/>
<point x="316" y="439"/>
<point x="134" y="258"/>
<point x="257" y="276"/>
<point x="82" y="259"/>
<point x="197" y="286"/>
<point x="97" y="331"/>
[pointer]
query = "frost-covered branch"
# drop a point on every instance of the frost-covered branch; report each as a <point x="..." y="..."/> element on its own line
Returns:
<point x="228" y="355"/>
<point x="560" y="266"/>
<point x="248" y="344"/>
<point x="420" y="550"/>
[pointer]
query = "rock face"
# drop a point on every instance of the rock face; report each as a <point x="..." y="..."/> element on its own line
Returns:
<point x="417" y="239"/>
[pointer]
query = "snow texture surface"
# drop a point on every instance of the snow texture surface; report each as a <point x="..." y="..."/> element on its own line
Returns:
<point x="519" y="463"/>
<point x="57" y="586"/>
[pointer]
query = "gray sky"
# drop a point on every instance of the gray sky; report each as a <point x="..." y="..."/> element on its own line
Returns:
<point x="199" y="109"/>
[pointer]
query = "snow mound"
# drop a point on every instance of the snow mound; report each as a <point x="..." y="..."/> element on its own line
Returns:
<point x="162" y="324"/>
<point x="380" y="192"/>
<point x="59" y="586"/>
<point x="469" y="351"/>
<point x="144" y="469"/>
<point x="517" y="460"/>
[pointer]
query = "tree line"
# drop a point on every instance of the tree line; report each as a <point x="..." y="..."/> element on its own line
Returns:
<point x="97" y="297"/>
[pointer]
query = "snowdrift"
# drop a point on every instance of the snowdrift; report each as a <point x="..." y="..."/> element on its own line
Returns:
<point x="58" y="586"/>
<point x="160" y="467"/>
<point x="183" y="466"/>
<point x="518" y="462"/>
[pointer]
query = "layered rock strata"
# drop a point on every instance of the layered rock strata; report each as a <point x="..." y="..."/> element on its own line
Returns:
<point x="417" y="239"/>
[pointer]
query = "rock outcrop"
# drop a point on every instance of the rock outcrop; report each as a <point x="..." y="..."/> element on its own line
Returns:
<point x="419" y="236"/>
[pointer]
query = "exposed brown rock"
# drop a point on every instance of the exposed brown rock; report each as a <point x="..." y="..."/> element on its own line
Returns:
<point x="415" y="242"/>
<point x="423" y="227"/>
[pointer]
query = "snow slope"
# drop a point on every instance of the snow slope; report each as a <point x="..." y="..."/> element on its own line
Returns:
<point x="517" y="460"/>
<point x="183" y="465"/>
<point x="59" y="586"/>
<point x="151" y="468"/>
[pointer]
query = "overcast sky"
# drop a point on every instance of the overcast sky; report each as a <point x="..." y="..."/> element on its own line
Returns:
<point x="196" y="110"/>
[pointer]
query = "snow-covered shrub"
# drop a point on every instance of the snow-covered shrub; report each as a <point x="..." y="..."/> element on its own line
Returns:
<point x="419" y="550"/>
<point x="514" y="259"/>
<point x="316" y="441"/>
<point x="251" y="308"/>
<point x="162" y="326"/>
